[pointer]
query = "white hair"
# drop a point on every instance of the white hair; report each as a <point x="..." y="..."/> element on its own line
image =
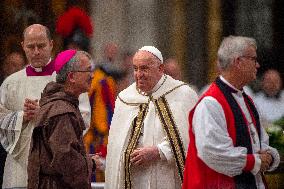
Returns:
<point x="232" y="47"/>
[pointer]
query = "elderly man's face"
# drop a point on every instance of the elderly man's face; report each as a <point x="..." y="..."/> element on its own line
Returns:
<point x="147" y="70"/>
<point x="82" y="75"/>
<point x="249" y="65"/>
<point x="37" y="46"/>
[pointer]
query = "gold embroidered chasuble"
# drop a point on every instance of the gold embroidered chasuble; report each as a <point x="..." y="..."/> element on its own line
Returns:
<point x="156" y="120"/>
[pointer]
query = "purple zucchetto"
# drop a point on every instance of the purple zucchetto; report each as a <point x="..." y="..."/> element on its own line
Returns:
<point x="62" y="58"/>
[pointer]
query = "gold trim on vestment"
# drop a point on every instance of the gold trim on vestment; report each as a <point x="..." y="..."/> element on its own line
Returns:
<point x="169" y="126"/>
<point x="174" y="89"/>
<point x="136" y="126"/>
<point x="129" y="103"/>
<point x="173" y="136"/>
<point x="150" y="97"/>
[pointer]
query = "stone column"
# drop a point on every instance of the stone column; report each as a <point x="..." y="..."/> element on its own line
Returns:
<point x="130" y="24"/>
<point x="214" y="31"/>
<point x="110" y="25"/>
<point x="142" y="26"/>
<point x="197" y="43"/>
<point x="254" y="19"/>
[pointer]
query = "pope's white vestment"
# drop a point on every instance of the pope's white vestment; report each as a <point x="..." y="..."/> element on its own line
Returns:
<point x="14" y="135"/>
<point x="158" y="174"/>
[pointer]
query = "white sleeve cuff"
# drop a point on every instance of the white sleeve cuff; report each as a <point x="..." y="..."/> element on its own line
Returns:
<point x="257" y="164"/>
<point x="17" y="130"/>
<point x="165" y="151"/>
<point x="276" y="158"/>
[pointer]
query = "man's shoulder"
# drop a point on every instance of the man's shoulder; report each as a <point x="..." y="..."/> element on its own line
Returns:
<point x="180" y="87"/>
<point x="58" y="107"/>
<point x="131" y="96"/>
<point x="128" y="90"/>
<point x="213" y="90"/>
<point x="185" y="87"/>
<point x="15" y="77"/>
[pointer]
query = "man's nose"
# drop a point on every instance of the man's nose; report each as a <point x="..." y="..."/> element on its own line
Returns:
<point x="257" y="65"/>
<point x="139" y="73"/>
<point x="36" y="50"/>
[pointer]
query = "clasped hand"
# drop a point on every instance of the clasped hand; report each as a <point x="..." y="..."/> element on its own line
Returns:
<point x="266" y="160"/>
<point x="31" y="108"/>
<point x="141" y="156"/>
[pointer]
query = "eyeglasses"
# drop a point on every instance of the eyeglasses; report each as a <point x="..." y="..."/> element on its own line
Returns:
<point x="90" y="69"/>
<point x="253" y="58"/>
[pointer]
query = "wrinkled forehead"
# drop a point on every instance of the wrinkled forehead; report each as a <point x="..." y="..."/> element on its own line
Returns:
<point x="36" y="39"/>
<point x="34" y="30"/>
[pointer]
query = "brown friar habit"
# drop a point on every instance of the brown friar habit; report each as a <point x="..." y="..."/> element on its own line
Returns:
<point x="57" y="155"/>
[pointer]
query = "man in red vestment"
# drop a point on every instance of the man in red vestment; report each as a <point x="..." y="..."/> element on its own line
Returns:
<point x="228" y="147"/>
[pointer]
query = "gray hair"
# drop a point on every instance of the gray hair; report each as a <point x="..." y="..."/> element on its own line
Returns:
<point x="232" y="47"/>
<point x="71" y="65"/>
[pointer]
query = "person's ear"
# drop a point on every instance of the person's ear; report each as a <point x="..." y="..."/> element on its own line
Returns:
<point x="161" y="68"/>
<point x="236" y="62"/>
<point x="51" y="44"/>
<point x="71" y="77"/>
<point x="23" y="46"/>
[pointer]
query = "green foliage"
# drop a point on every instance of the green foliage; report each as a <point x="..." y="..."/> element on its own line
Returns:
<point x="280" y="122"/>
<point x="276" y="135"/>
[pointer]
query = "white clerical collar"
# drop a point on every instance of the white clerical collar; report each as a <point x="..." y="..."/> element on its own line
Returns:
<point x="239" y="92"/>
<point x="40" y="69"/>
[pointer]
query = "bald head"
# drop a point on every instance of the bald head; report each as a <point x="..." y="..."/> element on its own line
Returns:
<point x="37" y="45"/>
<point x="37" y="28"/>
